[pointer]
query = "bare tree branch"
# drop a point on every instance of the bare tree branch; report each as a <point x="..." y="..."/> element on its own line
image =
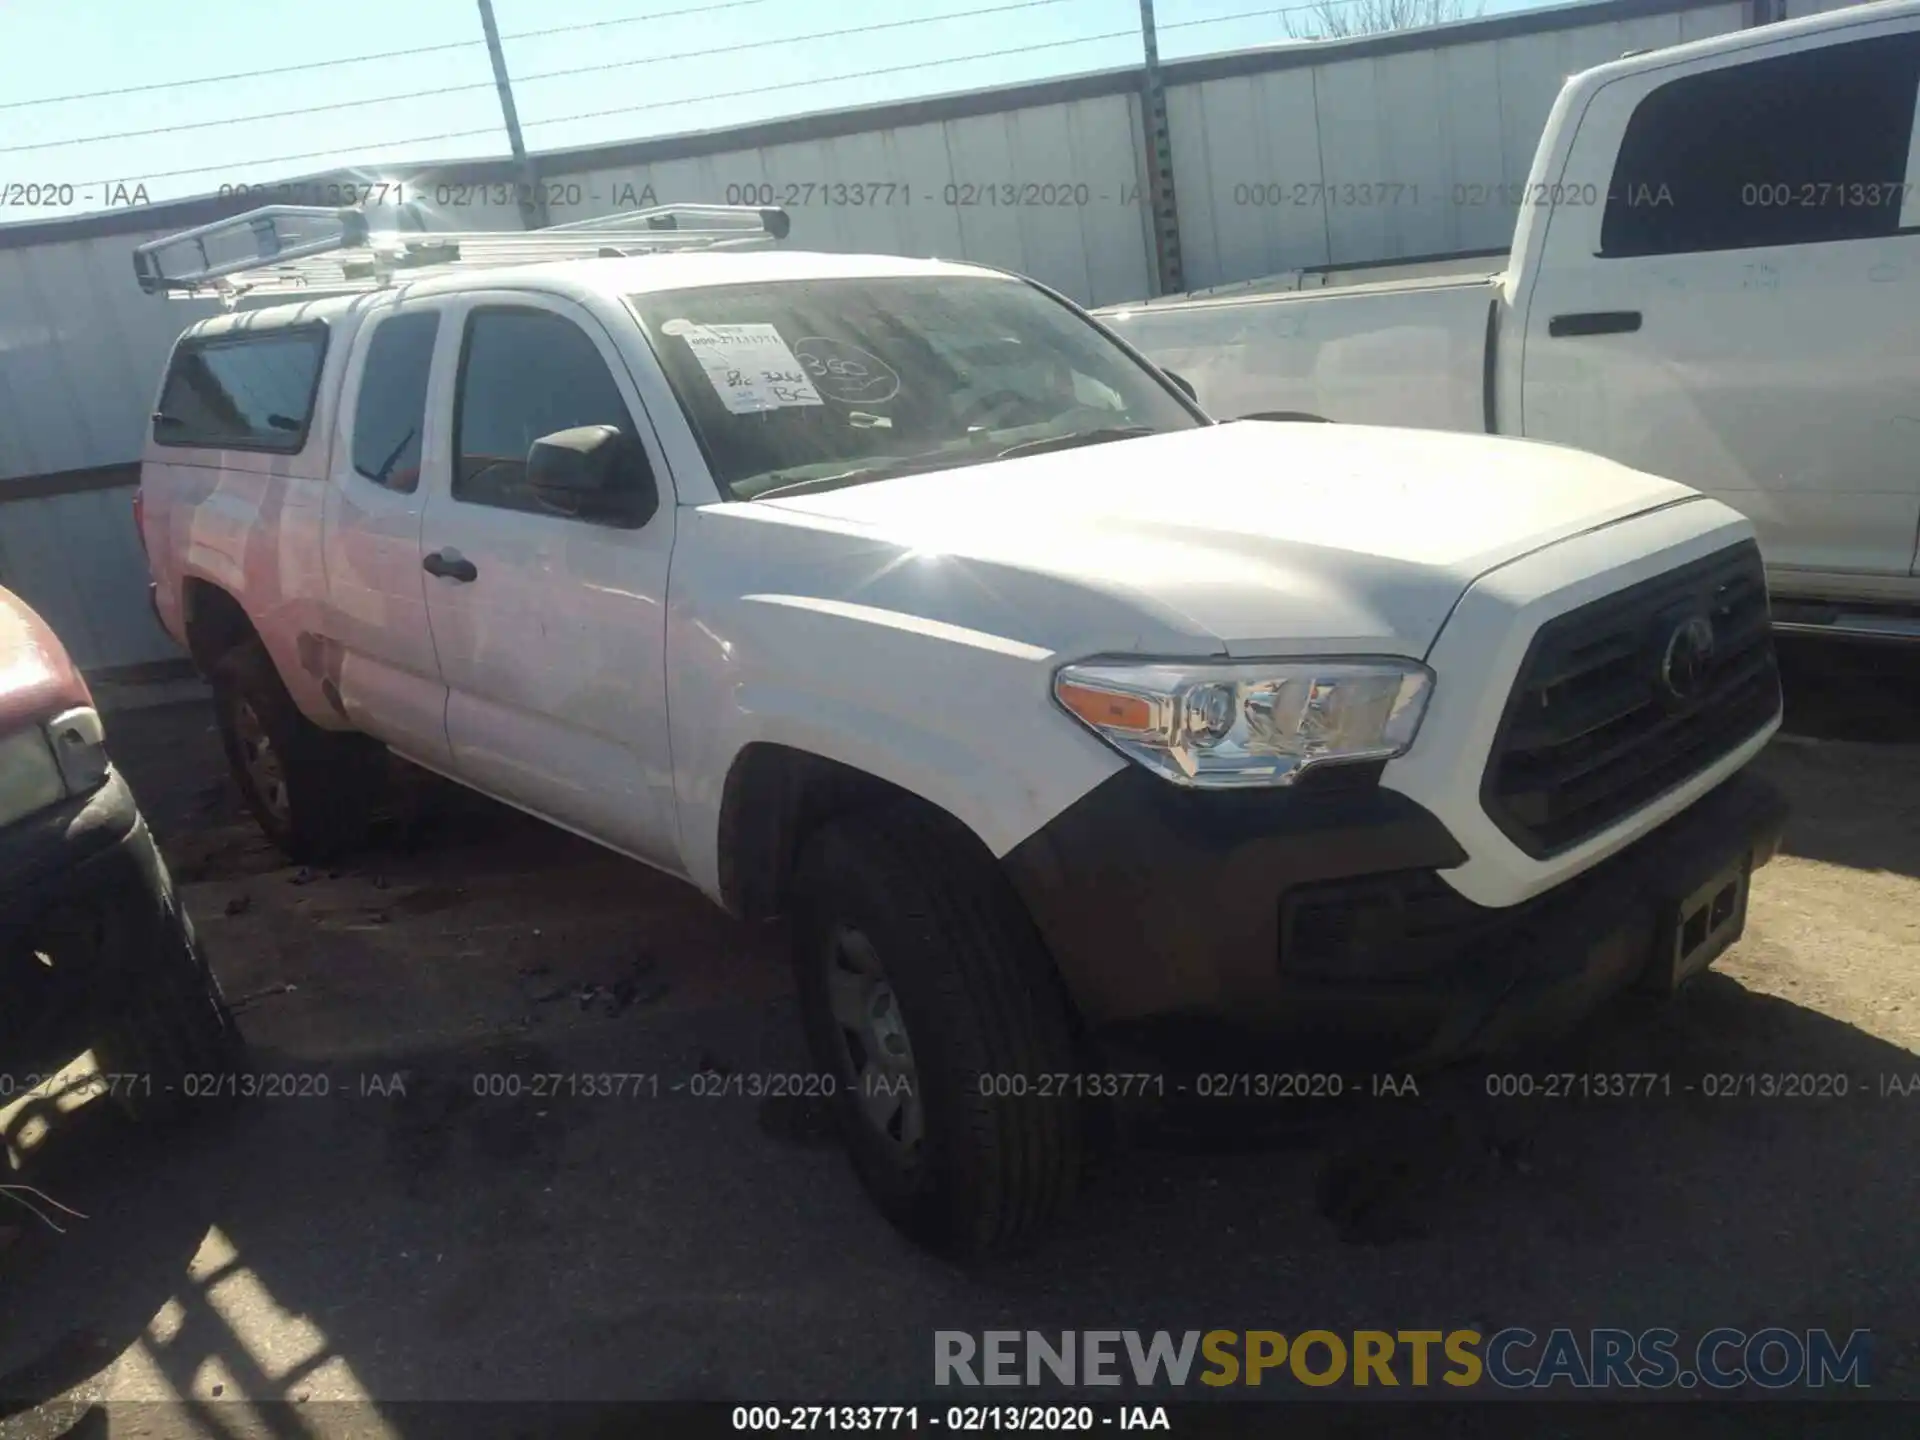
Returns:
<point x="1339" y="19"/>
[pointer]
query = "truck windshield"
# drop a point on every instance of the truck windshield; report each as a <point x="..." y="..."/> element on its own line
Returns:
<point x="810" y="384"/>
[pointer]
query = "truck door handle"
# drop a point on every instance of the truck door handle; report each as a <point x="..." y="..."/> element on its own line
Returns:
<point x="450" y="565"/>
<point x="1595" y="322"/>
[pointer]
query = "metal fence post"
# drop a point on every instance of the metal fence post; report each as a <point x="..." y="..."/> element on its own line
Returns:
<point x="1153" y="115"/>
<point x="533" y="200"/>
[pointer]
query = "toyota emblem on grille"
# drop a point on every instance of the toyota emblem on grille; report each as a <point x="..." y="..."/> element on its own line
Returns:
<point x="1688" y="657"/>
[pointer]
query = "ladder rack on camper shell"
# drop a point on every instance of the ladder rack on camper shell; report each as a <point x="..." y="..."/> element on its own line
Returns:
<point x="317" y="250"/>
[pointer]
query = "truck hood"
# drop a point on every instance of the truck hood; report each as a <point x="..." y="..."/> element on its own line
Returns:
<point x="37" y="679"/>
<point x="1270" y="537"/>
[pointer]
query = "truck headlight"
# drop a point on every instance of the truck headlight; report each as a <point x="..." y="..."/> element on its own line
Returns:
<point x="80" y="747"/>
<point x="1226" y="726"/>
<point x="46" y="764"/>
<point x="29" y="775"/>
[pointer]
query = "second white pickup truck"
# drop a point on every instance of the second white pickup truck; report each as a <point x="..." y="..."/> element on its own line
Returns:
<point x="1715" y="277"/>
<point x="898" y="599"/>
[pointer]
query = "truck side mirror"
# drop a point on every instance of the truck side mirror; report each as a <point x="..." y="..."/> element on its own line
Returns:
<point x="593" y="472"/>
<point x="1186" y="385"/>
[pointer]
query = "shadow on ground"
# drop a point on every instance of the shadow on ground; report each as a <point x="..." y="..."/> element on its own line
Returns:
<point x="1851" y="691"/>
<point x="1848" y="755"/>
<point x="447" y="1245"/>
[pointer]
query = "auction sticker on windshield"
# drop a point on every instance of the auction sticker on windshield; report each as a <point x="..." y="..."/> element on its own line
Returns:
<point x="749" y="366"/>
<point x="846" y="372"/>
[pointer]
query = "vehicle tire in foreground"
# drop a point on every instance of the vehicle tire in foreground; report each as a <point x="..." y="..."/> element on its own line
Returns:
<point x="167" y="1051"/>
<point x="928" y="996"/>
<point x="309" y="788"/>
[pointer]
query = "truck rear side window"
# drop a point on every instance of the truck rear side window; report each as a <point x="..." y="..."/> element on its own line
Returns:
<point x="392" y="406"/>
<point x="1795" y="150"/>
<point x="251" y="391"/>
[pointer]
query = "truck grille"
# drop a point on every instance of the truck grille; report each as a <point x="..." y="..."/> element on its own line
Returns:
<point x="1626" y="697"/>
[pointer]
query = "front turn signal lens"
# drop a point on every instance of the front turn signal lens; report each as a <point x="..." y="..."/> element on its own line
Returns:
<point x="1105" y="709"/>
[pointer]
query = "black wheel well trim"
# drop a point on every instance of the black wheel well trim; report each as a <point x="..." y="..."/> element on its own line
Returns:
<point x="775" y="796"/>
<point x="214" y="621"/>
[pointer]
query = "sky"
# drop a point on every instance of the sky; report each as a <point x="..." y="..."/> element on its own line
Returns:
<point x="93" y="71"/>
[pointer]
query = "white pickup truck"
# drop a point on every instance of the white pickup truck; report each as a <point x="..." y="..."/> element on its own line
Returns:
<point x="1715" y="277"/>
<point x="897" y="598"/>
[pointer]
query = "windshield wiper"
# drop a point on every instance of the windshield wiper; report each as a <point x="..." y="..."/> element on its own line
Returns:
<point x="889" y="469"/>
<point x="1078" y="437"/>
<point x="883" y="471"/>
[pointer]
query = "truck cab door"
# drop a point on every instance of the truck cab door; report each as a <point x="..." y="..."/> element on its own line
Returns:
<point x="550" y="629"/>
<point x="380" y="656"/>
<point x="1727" y="285"/>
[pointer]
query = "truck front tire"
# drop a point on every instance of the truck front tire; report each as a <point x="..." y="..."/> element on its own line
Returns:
<point x="309" y="788"/>
<point x="916" y="963"/>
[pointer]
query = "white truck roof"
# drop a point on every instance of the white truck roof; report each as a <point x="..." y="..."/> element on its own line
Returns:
<point x="645" y="274"/>
<point x="1819" y="23"/>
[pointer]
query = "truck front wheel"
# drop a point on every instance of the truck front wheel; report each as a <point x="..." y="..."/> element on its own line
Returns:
<point x="309" y="788"/>
<point x="930" y="1001"/>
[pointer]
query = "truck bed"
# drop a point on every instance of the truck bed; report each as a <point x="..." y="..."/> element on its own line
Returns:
<point x="1406" y="351"/>
<point x="1474" y="263"/>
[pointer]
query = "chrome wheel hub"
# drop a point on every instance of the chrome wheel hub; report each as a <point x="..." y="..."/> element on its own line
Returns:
<point x="874" y="1043"/>
<point x="260" y="760"/>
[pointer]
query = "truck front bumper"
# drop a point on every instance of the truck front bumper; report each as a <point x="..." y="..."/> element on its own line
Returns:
<point x="88" y="916"/>
<point x="1230" y="929"/>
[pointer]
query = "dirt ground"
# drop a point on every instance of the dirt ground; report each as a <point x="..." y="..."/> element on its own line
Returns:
<point x="442" y="1244"/>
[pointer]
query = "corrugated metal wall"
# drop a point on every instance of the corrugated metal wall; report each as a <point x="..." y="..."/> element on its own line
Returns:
<point x="78" y="372"/>
<point x="76" y="559"/>
<point x="80" y="356"/>
<point x="1266" y="145"/>
<point x="1380" y="158"/>
<point x="1797" y="8"/>
<point x="947" y="181"/>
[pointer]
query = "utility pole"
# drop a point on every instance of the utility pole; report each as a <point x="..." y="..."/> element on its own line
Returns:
<point x="533" y="199"/>
<point x="1153" y="116"/>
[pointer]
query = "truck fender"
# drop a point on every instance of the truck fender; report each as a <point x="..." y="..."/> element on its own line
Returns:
<point x="995" y="752"/>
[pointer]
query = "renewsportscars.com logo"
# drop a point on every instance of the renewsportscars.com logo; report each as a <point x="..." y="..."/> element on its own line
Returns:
<point x="1511" y="1359"/>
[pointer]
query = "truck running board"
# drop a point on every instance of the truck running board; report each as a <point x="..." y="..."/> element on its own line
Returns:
<point x="1802" y="617"/>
